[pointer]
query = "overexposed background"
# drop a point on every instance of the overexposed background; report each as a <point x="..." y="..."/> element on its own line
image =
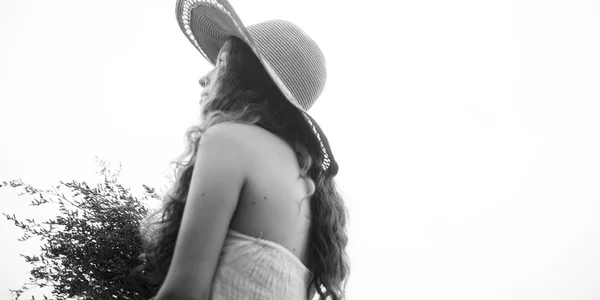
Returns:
<point x="467" y="132"/>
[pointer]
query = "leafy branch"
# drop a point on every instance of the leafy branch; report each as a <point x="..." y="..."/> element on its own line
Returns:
<point x="88" y="249"/>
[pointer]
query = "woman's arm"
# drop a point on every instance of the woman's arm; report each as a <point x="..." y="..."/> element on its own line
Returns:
<point x="217" y="180"/>
<point x="174" y="296"/>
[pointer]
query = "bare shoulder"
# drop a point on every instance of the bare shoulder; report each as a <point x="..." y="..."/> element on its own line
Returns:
<point x="233" y="130"/>
<point x="227" y="129"/>
<point x="245" y="135"/>
<point x="228" y="143"/>
<point x="227" y="134"/>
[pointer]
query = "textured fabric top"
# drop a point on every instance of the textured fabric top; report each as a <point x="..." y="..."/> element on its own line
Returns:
<point x="255" y="269"/>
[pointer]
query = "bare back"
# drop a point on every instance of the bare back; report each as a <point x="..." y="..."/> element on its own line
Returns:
<point x="274" y="203"/>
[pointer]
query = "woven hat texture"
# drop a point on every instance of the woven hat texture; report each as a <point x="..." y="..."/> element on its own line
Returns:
<point x="289" y="55"/>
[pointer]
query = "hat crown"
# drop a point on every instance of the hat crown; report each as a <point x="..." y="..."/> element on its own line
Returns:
<point x="294" y="57"/>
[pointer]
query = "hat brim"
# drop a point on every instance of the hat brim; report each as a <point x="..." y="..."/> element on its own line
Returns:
<point x="208" y="24"/>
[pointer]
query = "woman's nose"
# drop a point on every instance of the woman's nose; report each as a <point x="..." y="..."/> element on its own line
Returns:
<point x="204" y="81"/>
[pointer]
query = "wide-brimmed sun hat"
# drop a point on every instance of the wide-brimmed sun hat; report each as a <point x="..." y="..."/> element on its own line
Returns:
<point x="288" y="54"/>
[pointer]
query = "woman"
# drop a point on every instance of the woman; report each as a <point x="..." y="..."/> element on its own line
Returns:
<point x="254" y="212"/>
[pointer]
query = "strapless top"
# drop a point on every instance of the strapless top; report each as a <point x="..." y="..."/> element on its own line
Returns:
<point x="252" y="268"/>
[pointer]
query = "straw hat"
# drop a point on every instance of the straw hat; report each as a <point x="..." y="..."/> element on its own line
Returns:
<point x="288" y="54"/>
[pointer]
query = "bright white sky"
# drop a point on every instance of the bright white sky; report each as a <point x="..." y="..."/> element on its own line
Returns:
<point x="467" y="132"/>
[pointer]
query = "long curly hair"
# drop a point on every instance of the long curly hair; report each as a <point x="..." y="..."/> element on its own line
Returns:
<point x="246" y="94"/>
